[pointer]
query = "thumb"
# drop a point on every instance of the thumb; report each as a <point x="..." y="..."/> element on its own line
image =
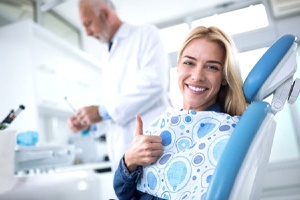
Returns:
<point x="139" y="125"/>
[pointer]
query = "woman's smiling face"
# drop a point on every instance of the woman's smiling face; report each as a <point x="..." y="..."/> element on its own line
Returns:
<point x="200" y="74"/>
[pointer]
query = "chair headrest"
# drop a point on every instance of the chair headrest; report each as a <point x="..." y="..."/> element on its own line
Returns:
<point x="268" y="73"/>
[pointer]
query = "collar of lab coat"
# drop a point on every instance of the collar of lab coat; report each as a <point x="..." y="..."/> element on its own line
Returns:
<point x="122" y="32"/>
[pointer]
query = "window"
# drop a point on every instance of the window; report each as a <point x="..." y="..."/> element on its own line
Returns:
<point x="173" y="36"/>
<point x="12" y="11"/>
<point x="248" y="59"/>
<point x="61" y="28"/>
<point x="237" y="21"/>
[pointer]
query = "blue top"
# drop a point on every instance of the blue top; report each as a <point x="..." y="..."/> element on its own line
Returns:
<point x="125" y="182"/>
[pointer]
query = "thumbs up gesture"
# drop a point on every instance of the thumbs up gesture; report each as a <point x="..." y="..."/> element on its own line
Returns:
<point x="144" y="149"/>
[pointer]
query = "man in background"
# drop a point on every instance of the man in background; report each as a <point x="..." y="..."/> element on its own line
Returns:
<point x="135" y="79"/>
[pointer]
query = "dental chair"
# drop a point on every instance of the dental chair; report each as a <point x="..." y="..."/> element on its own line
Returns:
<point x="240" y="171"/>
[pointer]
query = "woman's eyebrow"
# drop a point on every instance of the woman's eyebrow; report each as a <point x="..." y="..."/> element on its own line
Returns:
<point x="209" y="61"/>
<point x="215" y="61"/>
<point x="189" y="57"/>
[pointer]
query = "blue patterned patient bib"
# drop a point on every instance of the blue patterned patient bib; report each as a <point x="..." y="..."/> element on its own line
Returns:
<point x="193" y="141"/>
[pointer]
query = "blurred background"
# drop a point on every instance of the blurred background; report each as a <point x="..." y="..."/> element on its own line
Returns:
<point x="48" y="63"/>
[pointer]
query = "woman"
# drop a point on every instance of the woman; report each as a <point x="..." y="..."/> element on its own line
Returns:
<point x="209" y="80"/>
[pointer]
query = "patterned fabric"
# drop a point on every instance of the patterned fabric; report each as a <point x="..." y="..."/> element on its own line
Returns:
<point x="193" y="141"/>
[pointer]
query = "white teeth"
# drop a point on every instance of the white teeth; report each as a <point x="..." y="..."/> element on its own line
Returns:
<point x="196" y="88"/>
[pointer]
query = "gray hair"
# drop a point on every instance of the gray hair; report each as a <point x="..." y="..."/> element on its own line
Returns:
<point x="99" y="3"/>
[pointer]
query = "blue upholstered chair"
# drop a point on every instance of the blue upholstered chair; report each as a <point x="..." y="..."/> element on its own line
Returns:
<point x="240" y="172"/>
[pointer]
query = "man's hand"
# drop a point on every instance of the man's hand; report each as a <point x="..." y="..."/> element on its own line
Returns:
<point x="83" y="118"/>
<point x="144" y="150"/>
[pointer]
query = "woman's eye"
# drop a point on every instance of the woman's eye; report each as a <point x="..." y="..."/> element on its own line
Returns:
<point x="212" y="67"/>
<point x="188" y="63"/>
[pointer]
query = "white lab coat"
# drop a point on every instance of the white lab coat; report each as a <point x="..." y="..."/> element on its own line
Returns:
<point x="135" y="81"/>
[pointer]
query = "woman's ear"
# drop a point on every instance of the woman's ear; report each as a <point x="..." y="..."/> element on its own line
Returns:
<point x="224" y="82"/>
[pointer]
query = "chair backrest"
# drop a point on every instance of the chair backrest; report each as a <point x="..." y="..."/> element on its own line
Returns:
<point x="241" y="168"/>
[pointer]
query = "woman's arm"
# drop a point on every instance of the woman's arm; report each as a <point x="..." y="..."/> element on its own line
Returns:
<point x="144" y="150"/>
<point x="125" y="182"/>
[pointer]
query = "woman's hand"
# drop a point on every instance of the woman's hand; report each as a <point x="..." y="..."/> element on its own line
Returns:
<point x="144" y="149"/>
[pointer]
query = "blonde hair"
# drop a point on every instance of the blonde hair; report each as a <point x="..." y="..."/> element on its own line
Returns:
<point x="231" y="96"/>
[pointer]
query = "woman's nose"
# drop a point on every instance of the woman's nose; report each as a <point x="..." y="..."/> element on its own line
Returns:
<point x="198" y="74"/>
